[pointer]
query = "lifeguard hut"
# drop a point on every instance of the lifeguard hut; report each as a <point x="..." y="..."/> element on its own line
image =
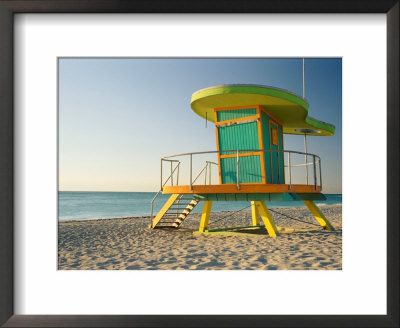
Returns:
<point x="253" y="165"/>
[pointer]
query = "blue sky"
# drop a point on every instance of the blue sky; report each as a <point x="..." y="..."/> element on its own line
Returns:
<point x="118" y="117"/>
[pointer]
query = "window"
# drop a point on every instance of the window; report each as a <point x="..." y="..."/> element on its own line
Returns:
<point x="275" y="137"/>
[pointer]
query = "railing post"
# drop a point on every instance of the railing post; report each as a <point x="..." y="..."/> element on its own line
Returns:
<point x="306" y="157"/>
<point x="151" y="215"/>
<point x="205" y="174"/>
<point x="315" y="173"/>
<point x="172" y="178"/>
<point x="191" y="187"/>
<point x="209" y="173"/>
<point x="307" y="169"/>
<point x="290" y="172"/>
<point x="237" y="169"/>
<point x="161" y="175"/>
<point x="177" y="177"/>
<point x="320" y="174"/>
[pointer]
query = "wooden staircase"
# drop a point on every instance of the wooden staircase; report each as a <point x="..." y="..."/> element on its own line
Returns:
<point x="174" y="211"/>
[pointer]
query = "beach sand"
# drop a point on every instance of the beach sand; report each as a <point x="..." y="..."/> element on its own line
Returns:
<point x="128" y="244"/>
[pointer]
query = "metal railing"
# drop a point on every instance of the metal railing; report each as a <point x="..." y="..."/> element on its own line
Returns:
<point x="171" y="176"/>
<point x="163" y="184"/>
<point x="315" y="163"/>
<point x="174" y="171"/>
<point x="206" y="169"/>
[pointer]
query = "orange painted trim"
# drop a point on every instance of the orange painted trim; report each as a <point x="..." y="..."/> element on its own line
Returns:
<point x="245" y="188"/>
<point x="271" y="116"/>
<point x="239" y="119"/>
<point x="236" y="107"/>
<point x="261" y="144"/>
<point x="278" y="122"/>
<point x="270" y="147"/>
<point x="255" y="153"/>
<point x="283" y="156"/>
<point x="218" y="154"/>
<point x="277" y="153"/>
<point x="274" y="123"/>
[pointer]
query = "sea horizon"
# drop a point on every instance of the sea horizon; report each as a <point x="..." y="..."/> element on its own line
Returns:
<point x="94" y="205"/>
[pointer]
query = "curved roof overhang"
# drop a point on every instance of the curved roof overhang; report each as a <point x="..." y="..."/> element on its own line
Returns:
<point x="287" y="107"/>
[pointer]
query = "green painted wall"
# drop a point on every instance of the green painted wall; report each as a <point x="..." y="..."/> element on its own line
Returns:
<point x="249" y="169"/>
<point x="269" y="197"/>
<point x="245" y="136"/>
<point x="239" y="136"/>
<point x="234" y="114"/>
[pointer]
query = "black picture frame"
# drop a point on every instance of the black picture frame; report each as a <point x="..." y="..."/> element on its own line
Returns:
<point x="10" y="7"/>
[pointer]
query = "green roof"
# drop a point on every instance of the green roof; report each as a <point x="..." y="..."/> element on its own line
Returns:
<point x="287" y="107"/>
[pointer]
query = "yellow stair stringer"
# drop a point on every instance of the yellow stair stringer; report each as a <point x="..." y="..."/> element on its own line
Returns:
<point x="185" y="212"/>
<point x="164" y="209"/>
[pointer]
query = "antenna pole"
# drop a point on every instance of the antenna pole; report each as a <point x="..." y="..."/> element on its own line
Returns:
<point x="305" y="150"/>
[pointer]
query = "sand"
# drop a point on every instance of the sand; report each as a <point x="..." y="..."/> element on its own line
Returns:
<point x="128" y="244"/>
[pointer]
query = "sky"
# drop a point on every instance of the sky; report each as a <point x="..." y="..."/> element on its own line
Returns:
<point x="118" y="117"/>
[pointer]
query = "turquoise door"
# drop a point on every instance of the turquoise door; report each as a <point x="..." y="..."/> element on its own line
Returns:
<point x="239" y="137"/>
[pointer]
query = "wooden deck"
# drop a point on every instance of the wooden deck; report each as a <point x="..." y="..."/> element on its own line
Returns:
<point x="245" y="188"/>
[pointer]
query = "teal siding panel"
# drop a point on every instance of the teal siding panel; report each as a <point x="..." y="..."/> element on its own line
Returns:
<point x="249" y="169"/>
<point x="230" y="197"/>
<point x="234" y="114"/>
<point x="265" y="132"/>
<point x="316" y="196"/>
<point x="269" y="197"/>
<point x="228" y="170"/>
<point x="240" y="136"/>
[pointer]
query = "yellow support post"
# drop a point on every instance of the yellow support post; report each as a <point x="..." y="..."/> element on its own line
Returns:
<point x="164" y="209"/>
<point x="205" y="215"/>
<point x="322" y="220"/>
<point x="267" y="219"/>
<point x="254" y="214"/>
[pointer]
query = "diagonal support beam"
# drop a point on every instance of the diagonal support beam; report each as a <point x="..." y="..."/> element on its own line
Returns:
<point x="267" y="219"/>
<point x="205" y="215"/>
<point x="322" y="220"/>
<point x="255" y="216"/>
<point x="164" y="209"/>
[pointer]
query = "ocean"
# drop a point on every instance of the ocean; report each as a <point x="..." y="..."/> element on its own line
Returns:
<point x="78" y="205"/>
